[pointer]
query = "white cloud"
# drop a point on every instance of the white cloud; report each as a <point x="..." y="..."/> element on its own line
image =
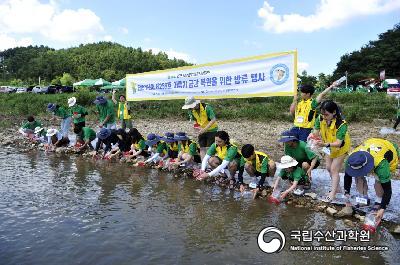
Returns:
<point x="328" y="14"/>
<point x="124" y="30"/>
<point x="301" y="66"/>
<point x="7" y="42"/>
<point x="174" y="54"/>
<point x="33" y="17"/>
<point x="71" y="25"/>
<point x="108" y="38"/>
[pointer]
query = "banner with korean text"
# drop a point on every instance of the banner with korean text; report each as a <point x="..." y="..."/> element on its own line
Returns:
<point x="259" y="76"/>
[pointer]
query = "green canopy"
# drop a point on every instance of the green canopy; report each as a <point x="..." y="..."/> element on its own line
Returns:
<point x="101" y="82"/>
<point x="121" y="82"/>
<point x="85" y="83"/>
<point x="112" y="87"/>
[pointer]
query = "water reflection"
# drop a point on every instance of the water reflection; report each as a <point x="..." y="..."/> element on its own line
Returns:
<point x="70" y="210"/>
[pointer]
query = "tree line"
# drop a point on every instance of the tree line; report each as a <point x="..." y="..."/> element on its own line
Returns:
<point x="110" y="61"/>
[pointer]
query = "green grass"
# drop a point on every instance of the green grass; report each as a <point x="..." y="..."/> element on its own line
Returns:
<point x="355" y="106"/>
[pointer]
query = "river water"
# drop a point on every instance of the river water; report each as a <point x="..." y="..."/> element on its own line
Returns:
<point x="56" y="209"/>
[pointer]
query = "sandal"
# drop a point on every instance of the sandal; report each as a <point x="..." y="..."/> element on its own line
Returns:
<point x="326" y="199"/>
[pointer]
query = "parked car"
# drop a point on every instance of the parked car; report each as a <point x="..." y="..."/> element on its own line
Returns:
<point x="6" y="89"/>
<point x="393" y="90"/>
<point x="53" y="89"/>
<point x="67" y="89"/>
<point x="36" y="89"/>
<point x="22" y="90"/>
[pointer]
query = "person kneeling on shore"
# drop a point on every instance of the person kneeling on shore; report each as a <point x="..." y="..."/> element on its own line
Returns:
<point x="157" y="149"/>
<point x="56" y="139"/>
<point x="40" y="135"/>
<point x="221" y="155"/>
<point x="296" y="175"/>
<point x="106" y="137"/>
<point x="85" y="135"/>
<point x="28" y="128"/>
<point x="188" y="151"/>
<point x="307" y="159"/>
<point x="138" y="145"/>
<point x="124" y="144"/>
<point x="379" y="157"/>
<point x="256" y="164"/>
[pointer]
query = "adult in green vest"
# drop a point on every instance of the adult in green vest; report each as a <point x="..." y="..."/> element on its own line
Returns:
<point x="123" y="112"/>
<point x="78" y="113"/>
<point x="105" y="108"/>
<point x="205" y="122"/>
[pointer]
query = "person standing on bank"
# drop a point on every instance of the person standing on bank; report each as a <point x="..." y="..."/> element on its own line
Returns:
<point x="304" y="111"/>
<point x="105" y="108"/>
<point x="205" y="123"/>
<point x="78" y="113"/>
<point x="124" y="111"/>
<point x="335" y="139"/>
<point x="64" y="114"/>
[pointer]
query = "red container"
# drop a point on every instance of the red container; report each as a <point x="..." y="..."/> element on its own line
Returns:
<point x="141" y="164"/>
<point x="272" y="199"/>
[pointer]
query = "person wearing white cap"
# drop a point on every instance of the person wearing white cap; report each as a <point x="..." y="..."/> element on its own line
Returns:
<point x="205" y="122"/>
<point x="56" y="139"/>
<point x="78" y="113"/>
<point x="40" y="135"/>
<point x="295" y="174"/>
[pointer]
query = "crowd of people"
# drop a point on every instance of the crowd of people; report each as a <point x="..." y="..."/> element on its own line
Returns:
<point x="319" y="131"/>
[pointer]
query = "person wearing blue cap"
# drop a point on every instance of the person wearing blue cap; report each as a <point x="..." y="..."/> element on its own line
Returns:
<point x="64" y="114"/>
<point x="105" y="137"/>
<point x="188" y="151"/>
<point x="379" y="157"/>
<point x="299" y="150"/>
<point x="172" y="145"/>
<point x="106" y="111"/>
<point x="157" y="148"/>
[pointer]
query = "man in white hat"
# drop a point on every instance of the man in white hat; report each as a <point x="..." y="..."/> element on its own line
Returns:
<point x="295" y="174"/>
<point x="78" y="113"/>
<point x="40" y="135"/>
<point x="205" y="122"/>
<point x="56" y="139"/>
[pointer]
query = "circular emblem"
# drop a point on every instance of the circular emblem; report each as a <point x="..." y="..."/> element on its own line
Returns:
<point x="279" y="74"/>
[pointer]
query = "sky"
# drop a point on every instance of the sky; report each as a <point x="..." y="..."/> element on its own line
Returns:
<point x="204" y="31"/>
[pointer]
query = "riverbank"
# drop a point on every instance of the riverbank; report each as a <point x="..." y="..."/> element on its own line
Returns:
<point x="263" y="135"/>
<point x="356" y="106"/>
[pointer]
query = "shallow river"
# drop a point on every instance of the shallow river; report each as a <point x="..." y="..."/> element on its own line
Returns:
<point x="56" y="209"/>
